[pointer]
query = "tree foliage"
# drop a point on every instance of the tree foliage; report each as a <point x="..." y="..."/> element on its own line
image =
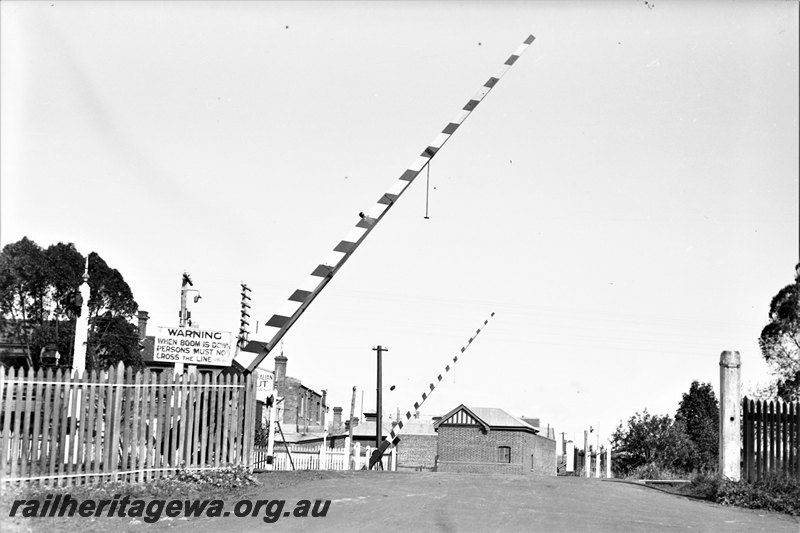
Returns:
<point x="698" y="413"/>
<point x="39" y="302"/>
<point x="687" y="443"/>
<point x="780" y="340"/>
<point x="651" y="440"/>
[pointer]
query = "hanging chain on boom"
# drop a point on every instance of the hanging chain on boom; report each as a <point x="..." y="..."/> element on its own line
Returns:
<point x="427" y="190"/>
<point x="392" y="438"/>
<point x="257" y="351"/>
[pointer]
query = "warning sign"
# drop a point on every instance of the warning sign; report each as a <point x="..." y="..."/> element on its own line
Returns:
<point x="193" y="346"/>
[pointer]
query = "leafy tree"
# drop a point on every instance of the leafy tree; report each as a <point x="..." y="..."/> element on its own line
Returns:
<point x="651" y="440"/>
<point x="698" y="412"/>
<point x="112" y="337"/>
<point x="38" y="304"/>
<point x="780" y="339"/>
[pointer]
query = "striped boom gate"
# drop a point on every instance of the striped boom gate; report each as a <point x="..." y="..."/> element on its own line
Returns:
<point x="391" y="439"/>
<point x="255" y="351"/>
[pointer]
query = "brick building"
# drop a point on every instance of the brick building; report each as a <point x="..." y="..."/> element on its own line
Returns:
<point x="489" y="440"/>
<point x="417" y="447"/>
<point x="303" y="409"/>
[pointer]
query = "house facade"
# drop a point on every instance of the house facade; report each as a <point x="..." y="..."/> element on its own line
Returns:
<point x="489" y="440"/>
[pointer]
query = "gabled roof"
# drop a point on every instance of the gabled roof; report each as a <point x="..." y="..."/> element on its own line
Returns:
<point x="485" y="417"/>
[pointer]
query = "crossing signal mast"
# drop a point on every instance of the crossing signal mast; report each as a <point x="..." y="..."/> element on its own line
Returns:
<point x="254" y="352"/>
<point x="244" y="322"/>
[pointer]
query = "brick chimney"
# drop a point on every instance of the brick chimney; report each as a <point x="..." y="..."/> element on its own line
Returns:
<point x="143" y="317"/>
<point x="323" y="406"/>
<point x="280" y="368"/>
<point x="337" y="417"/>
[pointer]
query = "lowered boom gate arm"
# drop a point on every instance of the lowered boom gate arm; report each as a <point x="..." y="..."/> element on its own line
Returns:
<point x="255" y="351"/>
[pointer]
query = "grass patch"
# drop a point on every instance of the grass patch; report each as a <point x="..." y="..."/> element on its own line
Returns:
<point x="185" y="484"/>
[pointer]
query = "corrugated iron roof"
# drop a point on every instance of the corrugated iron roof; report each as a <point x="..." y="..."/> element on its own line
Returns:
<point x="494" y="416"/>
<point x="491" y="417"/>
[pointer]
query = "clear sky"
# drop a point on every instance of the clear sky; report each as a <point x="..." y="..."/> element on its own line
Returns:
<point x="625" y="199"/>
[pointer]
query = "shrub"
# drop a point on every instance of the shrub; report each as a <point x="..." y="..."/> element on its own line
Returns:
<point x="654" y="471"/>
<point x="705" y="485"/>
<point x="651" y="440"/>
<point x="774" y="493"/>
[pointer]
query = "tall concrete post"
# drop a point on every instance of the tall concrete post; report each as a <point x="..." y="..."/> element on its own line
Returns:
<point x="730" y="365"/>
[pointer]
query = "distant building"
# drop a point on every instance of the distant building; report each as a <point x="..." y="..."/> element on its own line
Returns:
<point x="300" y="409"/>
<point x="489" y="440"/>
<point x="418" y="445"/>
<point x="363" y="432"/>
<point x="13" y="354"/>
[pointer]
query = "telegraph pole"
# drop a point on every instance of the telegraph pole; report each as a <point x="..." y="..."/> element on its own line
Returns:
<point x="350" y="428"/>
<point x="379" y="418"/>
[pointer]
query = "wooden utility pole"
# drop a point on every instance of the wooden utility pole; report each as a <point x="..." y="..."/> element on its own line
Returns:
<point x="378" y="415"/>
<point x="350" y="426"/>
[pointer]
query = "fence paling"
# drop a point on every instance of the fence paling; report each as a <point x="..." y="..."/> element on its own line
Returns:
<point x="771" y="438"/>
<point x="56" y="428"/>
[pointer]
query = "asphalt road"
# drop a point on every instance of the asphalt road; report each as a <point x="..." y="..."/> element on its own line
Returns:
<point x="399" y="502"/>
<point x="395" y="502"/>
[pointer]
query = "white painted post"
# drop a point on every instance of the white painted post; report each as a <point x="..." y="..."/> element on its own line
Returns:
<point x="587" y="454"/>
<point x="347" y="455"/>
<point x="570" y="457"/>
<point x="730" y="366"/>
<point x="394" y="459"/>
<point x="323" y="452"/>
<point x="608" y="460"/>
<point x="357" y="456"/>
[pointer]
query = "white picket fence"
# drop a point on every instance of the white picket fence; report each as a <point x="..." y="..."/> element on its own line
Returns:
<point x="320" y="458"/>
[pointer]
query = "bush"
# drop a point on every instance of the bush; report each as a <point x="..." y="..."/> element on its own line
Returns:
<point x="651" y="442"/>
<point x="654" y="471"/>
<point x="705" y="485"/>
<point x="774" y="493"/>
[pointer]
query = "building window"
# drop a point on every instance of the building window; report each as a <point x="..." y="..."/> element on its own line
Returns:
<point x="504" y="454"/>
